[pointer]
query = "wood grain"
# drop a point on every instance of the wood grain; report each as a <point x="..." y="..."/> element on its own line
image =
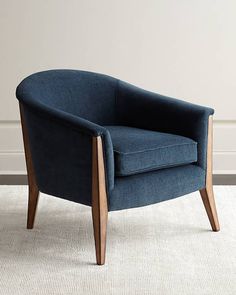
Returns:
<point x="207" y="193"/>
<point x="32" y="185"/>
<point x="99" y="200"/>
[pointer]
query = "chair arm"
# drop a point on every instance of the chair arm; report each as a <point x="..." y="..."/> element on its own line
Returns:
<point x="143" y="109"/>
<point x="62" y="149"/>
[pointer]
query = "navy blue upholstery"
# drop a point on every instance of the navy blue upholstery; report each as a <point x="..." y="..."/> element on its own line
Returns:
<point x="156" y="186"/>
<point x="143" y="109"/>
<point x="64" y="109"/>
<point x="54" y="102"/>
<point x="138" y="150"/>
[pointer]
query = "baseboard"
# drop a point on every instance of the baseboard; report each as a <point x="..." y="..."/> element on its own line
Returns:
<point x="13" y="179"/>
<point x="224" y="179"/>
<point x="218" y="179"/>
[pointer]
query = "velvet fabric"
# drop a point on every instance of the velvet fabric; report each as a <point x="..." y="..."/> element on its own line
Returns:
<point x="156" y="186"/>
<point x="60" y="96"/>
<point x="64" y="109"/>
<point x="138" y="150"/>
<point x="143" y="109"/>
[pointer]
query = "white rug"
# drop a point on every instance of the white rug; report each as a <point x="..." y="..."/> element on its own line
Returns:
<point x="163" y="249"/>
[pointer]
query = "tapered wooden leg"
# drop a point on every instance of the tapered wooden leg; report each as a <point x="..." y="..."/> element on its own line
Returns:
<point x="209" y="203"/>
<point x="32" y="206"/>
<point x="207" y="193"/>
<point x="99" y="201"/>
<point x="32" y="185"/>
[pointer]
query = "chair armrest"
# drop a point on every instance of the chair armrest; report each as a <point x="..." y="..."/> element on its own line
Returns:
<point x="61" y="146"/>
<point x="143" y="109"/>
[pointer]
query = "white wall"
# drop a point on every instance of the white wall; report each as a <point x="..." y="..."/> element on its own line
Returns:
<point x="181" y="48"/>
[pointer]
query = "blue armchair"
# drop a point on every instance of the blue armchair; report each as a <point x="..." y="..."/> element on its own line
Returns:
<point x="101" y="142"/>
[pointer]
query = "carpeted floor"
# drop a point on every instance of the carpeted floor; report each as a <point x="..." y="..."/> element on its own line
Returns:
<point x="165" y="249"/>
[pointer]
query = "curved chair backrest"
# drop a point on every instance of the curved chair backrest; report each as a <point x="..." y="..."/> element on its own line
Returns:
<point x="85" y="94"/>
<point x="62" y="155"/>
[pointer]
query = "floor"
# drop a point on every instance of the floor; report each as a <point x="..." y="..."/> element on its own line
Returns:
<point x="166" y="248"/>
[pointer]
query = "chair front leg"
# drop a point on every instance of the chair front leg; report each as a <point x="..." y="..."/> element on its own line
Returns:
<point x="32" y="185"/>
<point x="207" y="193"/>
<point x="99" y="200"/>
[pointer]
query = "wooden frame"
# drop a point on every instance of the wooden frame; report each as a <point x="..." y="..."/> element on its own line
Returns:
<point x="99" y="200"/>
<point x="207" y="193"/>
<point x="33" y="192"/>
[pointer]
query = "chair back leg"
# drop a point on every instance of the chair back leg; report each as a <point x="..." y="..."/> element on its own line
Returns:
<point x="207" y="193"/>
<point x="33" y="192"/>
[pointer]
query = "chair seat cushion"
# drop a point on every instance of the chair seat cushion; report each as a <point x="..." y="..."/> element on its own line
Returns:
<point x="137" y="150"/>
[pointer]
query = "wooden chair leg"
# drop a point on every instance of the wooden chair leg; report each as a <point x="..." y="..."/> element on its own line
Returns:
<point x="207" y="193"/>
<point x="32" y="185"/>
<point x="209" y="203"/>
<point x="99" y="201"/>
<point x="32" y="206"/>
